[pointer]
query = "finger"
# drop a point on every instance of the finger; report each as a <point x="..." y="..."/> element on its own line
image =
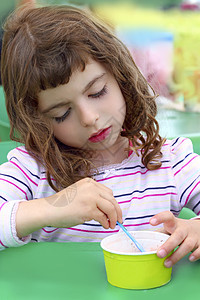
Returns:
<point x="111" y="199"/>
<point x="108" y="196"/>
<point x="173" y="241"/>
<point x="186" y="247"/>
<point x="95" y="184"/>
<point x="165" y="217"/>
<point x="102" y="219"/>
<point x="119" y="213"/>
<point x="107" y="193"/>
<point x="195" y="255"/>
<point x="109" y="210"/>
<point x="104" y="187"/>
<point x="161" y="230"/>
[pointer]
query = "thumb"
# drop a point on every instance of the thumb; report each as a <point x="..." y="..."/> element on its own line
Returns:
<point x="166" y="218"/>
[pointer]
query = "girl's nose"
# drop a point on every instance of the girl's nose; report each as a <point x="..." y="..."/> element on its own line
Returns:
<point x="88" y="116"/>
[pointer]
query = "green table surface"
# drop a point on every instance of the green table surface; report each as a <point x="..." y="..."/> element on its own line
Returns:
<point x="178" y="123"/>
<point x="76" y="271"/>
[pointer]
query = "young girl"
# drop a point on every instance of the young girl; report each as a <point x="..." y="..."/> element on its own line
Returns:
<point x="93" y="154"/>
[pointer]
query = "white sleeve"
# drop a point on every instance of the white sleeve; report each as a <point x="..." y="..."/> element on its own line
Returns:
<point x="19" y="179"/>
<point x="8" y="235"/>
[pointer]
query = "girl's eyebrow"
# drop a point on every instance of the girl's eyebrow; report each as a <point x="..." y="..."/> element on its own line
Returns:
<point x="53" y="107"/>
<point x="92" y="82"/>
<point x="88" y="86"/>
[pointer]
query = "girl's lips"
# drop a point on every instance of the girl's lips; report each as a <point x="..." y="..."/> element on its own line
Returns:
<point x="100" y="135"/>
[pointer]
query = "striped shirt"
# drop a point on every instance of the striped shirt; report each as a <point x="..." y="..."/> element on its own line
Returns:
<point x="141" y="193"/>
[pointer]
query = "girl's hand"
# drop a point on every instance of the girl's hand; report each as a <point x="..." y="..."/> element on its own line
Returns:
<point x="84" y="201"/>
<point x="184" y="233"/>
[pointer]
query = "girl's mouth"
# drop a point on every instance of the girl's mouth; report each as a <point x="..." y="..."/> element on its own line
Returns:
<point x="100" y="135"/>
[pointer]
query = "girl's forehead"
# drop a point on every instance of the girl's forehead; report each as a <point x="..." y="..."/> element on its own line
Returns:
<point x="79" y="82"/>
<point x="91" y="67"/>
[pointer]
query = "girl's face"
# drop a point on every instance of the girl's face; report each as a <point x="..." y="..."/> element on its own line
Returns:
<point x="88" y="112"/>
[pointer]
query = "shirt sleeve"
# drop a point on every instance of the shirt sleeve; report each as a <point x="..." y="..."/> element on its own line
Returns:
<point x="8" y="234"/>
<point x="186" y="170"/>
<point x="18" y="182"/>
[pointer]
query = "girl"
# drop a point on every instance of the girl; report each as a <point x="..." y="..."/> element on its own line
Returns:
<point x="93" y="154"/>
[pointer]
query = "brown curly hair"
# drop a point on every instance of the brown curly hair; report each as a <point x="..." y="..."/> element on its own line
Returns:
<point x="41" y="48"/>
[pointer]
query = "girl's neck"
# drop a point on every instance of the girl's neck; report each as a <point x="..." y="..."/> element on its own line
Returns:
<point x="112" y="156"/>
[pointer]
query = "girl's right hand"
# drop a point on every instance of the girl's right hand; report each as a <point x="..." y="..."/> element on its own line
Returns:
<point x="85" y="200"/>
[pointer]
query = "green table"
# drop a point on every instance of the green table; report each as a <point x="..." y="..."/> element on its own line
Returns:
<point x="76" y="271"/>
<point x="178" y="123"/>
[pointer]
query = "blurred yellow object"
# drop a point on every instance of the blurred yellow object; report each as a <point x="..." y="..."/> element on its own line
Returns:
<point x="185" y="27"/>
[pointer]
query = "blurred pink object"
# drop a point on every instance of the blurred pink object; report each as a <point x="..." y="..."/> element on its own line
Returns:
<point x="153" y="52"/>
<point x="190" y="5"/>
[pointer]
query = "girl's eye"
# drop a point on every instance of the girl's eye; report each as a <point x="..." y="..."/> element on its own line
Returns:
<point x="63" y="117"/>
<point x="96" y="95"/>
<point x="100" y="93"/>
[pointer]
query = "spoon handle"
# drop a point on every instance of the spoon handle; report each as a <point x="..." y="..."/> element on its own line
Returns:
<point x="138" y="245"/>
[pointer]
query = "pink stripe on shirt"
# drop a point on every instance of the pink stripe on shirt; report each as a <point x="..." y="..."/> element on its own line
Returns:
<point x="46" y="179"/>
<point x="2" y="244"/>
<point x="22" y="151"/>
<point x="129" y="174"/>
<point x="145" y="196"/>
<point x="185" y="165"/>
<point x="49" y="231"/>
<point x="94" y="231"/>
<point x="2" y="205"/>
<point x="16" y="187"/>
<point x="24" y="173"/>
<point x="83" y="230"/>
<point x="178" y="145"/>
<point x="146" y="223"/>
<point x="191" y="192"/>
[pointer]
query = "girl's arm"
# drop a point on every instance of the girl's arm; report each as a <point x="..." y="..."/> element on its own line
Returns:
<point x="83" y="201"/>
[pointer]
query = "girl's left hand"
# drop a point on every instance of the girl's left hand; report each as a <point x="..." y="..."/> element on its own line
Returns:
<point x="184" y="233"/>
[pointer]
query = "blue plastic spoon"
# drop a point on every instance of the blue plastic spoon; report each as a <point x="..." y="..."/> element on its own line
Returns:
<point x="138" y="245"/>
